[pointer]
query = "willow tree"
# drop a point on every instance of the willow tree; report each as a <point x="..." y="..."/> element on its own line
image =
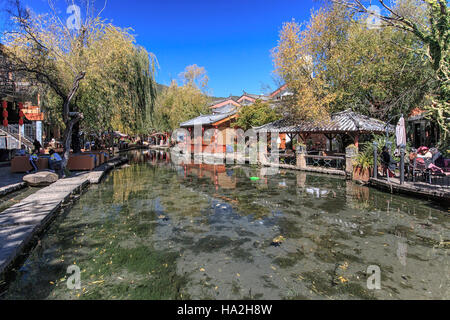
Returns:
<point x="48" y="52"/>
<point x="120" y="94"/>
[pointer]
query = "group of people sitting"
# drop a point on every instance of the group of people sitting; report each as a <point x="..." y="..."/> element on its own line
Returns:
<point x="422" y="158"/>
<point x="54" y="159"/>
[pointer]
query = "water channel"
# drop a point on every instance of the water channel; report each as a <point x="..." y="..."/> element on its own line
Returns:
<point x="156" y="230"/>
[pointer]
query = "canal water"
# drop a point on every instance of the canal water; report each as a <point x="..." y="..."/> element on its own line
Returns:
<point x="156" y="230"/>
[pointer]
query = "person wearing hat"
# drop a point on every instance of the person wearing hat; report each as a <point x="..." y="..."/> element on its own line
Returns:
<point x="424" y="153"/>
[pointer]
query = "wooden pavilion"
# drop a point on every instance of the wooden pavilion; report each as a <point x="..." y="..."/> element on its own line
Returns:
<point x="347" y="123"/>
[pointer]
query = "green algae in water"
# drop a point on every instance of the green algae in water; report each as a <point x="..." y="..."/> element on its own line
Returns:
<point x="148" y="230"/>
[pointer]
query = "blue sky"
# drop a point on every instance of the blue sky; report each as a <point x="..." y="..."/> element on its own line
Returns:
<point x="232" y="39"/>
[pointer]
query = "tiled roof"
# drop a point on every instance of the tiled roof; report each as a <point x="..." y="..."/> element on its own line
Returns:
<point x="221" y="100"/>
<point x="341" y="122"/>
<point x="207" y="119"/>
<point x="225" y="109"/>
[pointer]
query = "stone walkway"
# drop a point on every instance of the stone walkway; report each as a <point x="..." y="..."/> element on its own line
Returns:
<point x="19" y="223"/>
<point x="10" y="182"/>
<point x="7" y="178"/>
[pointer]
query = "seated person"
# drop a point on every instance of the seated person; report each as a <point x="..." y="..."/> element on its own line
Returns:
<point x="33" y="161"/>
<point x="424" y="161"/>
<point x="22" y="152"/>
<point x="424" y="153"/>
<point x="442" y="162"/>
<point x="55" y="162"/>
<point x="388" y="163"/>
<point x="52" y="143"/>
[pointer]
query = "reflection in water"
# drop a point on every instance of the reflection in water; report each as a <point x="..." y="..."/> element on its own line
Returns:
<point x="402" y="251"/>
<point x="156" y="230"/>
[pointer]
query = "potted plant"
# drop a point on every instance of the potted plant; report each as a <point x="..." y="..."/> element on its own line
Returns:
<point x="363" y="164"/>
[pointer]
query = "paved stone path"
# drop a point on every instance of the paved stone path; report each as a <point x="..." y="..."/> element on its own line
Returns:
<point x="19" y="223"/>
<point x="7" y="178"/>
<point x="12" y="188"/>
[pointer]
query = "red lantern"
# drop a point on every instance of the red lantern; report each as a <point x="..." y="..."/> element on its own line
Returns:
<point x="5" y="113"/>
<point x="21" y="114"/>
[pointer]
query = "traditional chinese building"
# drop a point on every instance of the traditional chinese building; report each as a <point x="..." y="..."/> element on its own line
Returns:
<point x="420" y="130"/>
<point x="223" y="115"/>
<point x="21" y="117"/>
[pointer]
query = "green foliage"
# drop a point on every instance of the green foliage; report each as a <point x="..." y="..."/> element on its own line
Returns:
<point x="119" y="93"/>
<point x="425" y="25"/>
<point x="97" y="73"/>
<point x="336" y="62"/>
<point x="364" y="159"/>
<point x="179" y="103"/>
<point x="256" y="115"/>
<point x="375" y="72"/>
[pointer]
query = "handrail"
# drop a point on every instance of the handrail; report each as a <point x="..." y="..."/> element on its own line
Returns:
<point x="324" y="157"/>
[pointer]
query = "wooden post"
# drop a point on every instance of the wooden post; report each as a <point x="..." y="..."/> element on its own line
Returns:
<point x="402" y="164"/>
<point x="357" y="141"/>
<point x="375" y="162"/>
<point x="282" y="141"/>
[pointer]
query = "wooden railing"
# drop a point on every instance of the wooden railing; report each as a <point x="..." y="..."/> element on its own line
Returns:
<point x="329" y="162"/>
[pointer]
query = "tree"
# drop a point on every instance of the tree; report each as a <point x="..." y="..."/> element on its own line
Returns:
<point x="294" y="63"/>
<point x="256" y="115"/>
<point x="433" y="31"/>
<point x="372" y="72"/>
<point x="178" y="103"/>
<point x="120" y="93"/>
<point x="349" y="66"/>
<point x="113" y="85"/>
<point x="49" y="53"/>
<point x="195" y="76"/>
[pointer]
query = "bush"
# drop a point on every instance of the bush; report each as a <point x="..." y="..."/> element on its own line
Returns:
<point x="365" y="156"/>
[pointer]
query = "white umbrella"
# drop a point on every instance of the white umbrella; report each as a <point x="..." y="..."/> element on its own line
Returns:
<point x="400" y="132"/>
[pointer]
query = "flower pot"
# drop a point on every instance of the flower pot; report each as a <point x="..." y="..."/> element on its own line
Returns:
<point x="361" y="174"/>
